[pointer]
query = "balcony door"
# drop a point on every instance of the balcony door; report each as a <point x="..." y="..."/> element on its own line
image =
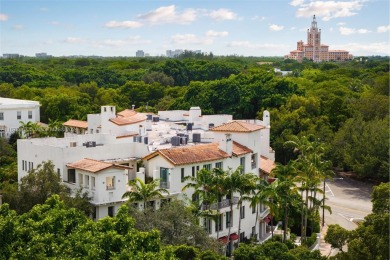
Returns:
<point x="164" y="178"/>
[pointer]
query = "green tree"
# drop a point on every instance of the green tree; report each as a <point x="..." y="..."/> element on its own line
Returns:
<point x="380" y="198"/>
<point x="337" y="236"/>
<point x="144" y="192"/>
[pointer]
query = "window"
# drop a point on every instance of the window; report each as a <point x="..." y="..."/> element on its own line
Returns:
<point x="110" y="183"/>
<point x="207" y="167"/>
<point x="111" y="211"/>
<point x="23" y="165"/>
<point x="254" y="161"/>
<point x="253" y="209"/>
<point x="242" y="164"/>
<point x="29" y="114"/>
<point x="253" y="231"/>
<point x="72" y="175"/>
<point x="18" y="115"/>
<point x="1" y="115"/>
<point x="218" y="165"/>
<point x="229" y="219"/>
<point x="218" y="223"/>
<point x="86" y="181"/>
<point x="81" y="180"/>
<point x="93" y="183"/>
<point x="58" y="172"/>
<point x="242" y="212"/>
<point x="242" y="236"/>
<point x="182" y="175"/>
<point x="164" y="183"/>
<point x="193" y="171"/>
<point x="91" y="131"/>
<point x="207" y="225"/>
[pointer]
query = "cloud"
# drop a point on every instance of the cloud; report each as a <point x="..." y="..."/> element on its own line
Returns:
<point x="168" y="14"/>
<point x="187" y="39"/>
<point x="212" y="33"/>
<point x="379" y="48"/>
<point x="328" y="9"/>
<point x="296" y="2"/>
<point x="349" y="31"/>
<point x="274" y="27"/>
<point x="383" y="29"/>
<point x="258" y="18"/>
<point x="3" y="17"/>
<point x="222" y="14"/>
<point x="18" y="27"/>
<point x="266" y="46"/>
<point x="123" y="24"/>
<point x="74" y="40"/>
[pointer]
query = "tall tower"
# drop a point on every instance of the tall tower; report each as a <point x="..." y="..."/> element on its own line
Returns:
<point x="314" y="39"/>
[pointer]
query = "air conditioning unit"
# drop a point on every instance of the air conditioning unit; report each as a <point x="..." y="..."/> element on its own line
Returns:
<point x="73" y="144"/>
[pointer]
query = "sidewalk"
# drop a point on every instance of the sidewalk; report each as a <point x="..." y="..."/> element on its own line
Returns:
<point x="325" y="248"/>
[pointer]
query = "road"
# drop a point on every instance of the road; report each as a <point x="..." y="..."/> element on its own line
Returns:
<point x="349" y="199"/>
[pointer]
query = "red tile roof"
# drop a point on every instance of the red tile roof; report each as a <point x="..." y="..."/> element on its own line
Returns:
<point x="91" y="165"/>
<point x="127" y="113"/>
<point x="239" y="149"/>
<point x="198" y="153"/>
<point x="76" y="123"/>
<point x="266" y="165"/>
<point x="237" y="126"/>
<point x="130" y="119"/>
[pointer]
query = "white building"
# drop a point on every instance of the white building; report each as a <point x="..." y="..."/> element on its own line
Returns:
<point x="171" y="145"/>
<point x="14" y="111"/>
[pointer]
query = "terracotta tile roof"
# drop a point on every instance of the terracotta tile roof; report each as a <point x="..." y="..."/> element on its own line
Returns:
<point x="94" y="166"/>
<point x="135" y="118"/>
<point x="130" y="134"/>
<point x="237" y="126"/>
<point x="127" y="113"/>
<point x="266" y="165"/>
<point x="190" y="154"/>
<point x="76" y="123"/>
<point x="239" y="149"/>
<point x="198" y="153"/>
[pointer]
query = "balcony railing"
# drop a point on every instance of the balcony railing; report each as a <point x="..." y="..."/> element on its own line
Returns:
<point x="164" y="185"/>
<point x="220" y="205"/>
<point x="264" y="213"/>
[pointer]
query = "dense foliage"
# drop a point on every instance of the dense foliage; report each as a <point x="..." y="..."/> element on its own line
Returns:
<point x="343" y="104"/>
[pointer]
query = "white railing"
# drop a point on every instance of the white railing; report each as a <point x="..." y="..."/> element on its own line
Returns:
<point x="223" y="204"/>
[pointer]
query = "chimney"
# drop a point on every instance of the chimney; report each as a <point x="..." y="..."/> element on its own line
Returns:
<point x="226" y="144"/>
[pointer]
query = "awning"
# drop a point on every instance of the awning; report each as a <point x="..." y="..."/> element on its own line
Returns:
<point x="233" y="236"/>
<point x="223" y="239"/>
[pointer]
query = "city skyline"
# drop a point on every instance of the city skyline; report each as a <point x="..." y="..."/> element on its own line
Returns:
<point x="245" y="28"/>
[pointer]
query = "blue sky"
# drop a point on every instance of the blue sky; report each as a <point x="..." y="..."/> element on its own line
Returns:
<point x="248" y="28"/>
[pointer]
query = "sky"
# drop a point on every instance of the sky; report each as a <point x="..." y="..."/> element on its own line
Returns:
<point x="240" y="27"/>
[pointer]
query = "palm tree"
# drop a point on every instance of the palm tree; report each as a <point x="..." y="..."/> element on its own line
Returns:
<point x="141" y="192"/>
<point x="204" y="192"/>
<point x="29" y="129"/>
<point x="286" y="187"/>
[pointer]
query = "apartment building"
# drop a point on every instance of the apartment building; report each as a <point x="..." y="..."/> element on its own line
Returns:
<point x="314" y="50"/>
<point x="169" y="145"/>
<point x="14" y="111"/>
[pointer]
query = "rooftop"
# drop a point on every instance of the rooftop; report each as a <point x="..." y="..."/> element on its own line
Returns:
<point x="91" y="165"/>
<point x="76" y="123"/>
<point x="237" y="126"/>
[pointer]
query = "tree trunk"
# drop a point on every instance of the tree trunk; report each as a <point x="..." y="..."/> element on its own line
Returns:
<point x="305" y="224"/>
<point x="257" y="216"/>
<point x="285" y="222"/>
<point x="239" y="224"/>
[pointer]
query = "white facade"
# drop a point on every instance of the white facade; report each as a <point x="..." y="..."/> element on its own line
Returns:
<point x="237" y="143"/>
<point x="14" y="111"/>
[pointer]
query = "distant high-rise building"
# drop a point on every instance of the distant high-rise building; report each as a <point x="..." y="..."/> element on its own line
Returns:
<point x="314" y="50"/>
<point x="140" y="53"/>
<point x="11" y="55"/>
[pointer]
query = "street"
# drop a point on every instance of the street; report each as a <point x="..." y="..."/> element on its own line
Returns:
<point x="349" y="200"/>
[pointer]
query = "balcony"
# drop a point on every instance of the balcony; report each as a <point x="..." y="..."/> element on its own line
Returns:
<point x="264" y="213"/>
<point x="164" y="185"/>
<point x="220" y="205"/>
